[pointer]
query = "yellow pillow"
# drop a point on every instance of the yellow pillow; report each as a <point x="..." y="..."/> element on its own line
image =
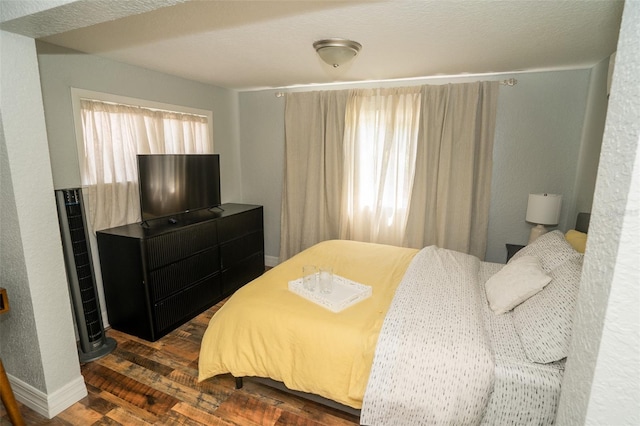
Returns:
<point x="577" y="239"/>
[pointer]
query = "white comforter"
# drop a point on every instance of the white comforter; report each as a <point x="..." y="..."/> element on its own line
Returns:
<point x="433" y="363"/>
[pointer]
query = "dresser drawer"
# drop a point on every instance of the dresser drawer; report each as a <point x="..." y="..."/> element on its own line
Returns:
<point x="235" y="251"/>
<point x="170" y="247"/>
<point x="239" y="224"/>
<point x="242" y="272"/>
<point x="175" y="310"/>
<point x="175" y="277"/>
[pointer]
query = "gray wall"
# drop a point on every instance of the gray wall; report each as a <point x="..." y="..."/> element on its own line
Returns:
<point x="594" y="121"/>
<point x="536" y="149"/>
<point x="539" y="132"/>
<point x="262" y="157"/>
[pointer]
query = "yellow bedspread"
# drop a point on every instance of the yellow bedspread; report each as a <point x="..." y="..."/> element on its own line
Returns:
<point x="265" y="330"/>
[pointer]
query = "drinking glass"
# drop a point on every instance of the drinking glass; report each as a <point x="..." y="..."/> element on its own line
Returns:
<point x="326" y="279"/>
<point x="309" y="277"/>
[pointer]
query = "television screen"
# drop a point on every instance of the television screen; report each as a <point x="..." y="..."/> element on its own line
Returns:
<point x="177" y="183"/>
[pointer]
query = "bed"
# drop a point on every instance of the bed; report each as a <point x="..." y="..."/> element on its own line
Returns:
<point x="443" y="339"/>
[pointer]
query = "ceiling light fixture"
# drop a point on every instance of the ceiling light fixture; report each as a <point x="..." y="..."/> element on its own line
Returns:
<point x="337" y="51"/>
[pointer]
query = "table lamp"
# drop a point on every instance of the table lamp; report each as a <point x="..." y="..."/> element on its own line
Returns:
<point x="543" y="209"/>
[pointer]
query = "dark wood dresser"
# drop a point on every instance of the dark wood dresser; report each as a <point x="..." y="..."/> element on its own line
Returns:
<point x="159" y="274"/>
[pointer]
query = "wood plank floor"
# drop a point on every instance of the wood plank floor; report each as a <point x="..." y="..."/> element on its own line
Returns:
<point x="155" y="383"/>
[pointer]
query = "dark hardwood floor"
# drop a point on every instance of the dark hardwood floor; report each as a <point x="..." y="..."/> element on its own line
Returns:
<point x="155" y="383"/>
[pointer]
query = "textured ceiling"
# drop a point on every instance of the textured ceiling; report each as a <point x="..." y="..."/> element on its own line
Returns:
<point x="248" y="45"/>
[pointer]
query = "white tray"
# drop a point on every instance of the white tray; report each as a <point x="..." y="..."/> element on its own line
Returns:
<point x="345" y="293"/>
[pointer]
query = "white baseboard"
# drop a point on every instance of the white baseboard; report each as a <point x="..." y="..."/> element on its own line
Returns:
<point x="270" y="261"/>
<point x="50" y="405"/>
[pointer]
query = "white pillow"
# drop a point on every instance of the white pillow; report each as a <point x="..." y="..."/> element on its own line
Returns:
<point x="545" y="321"/>
<point x="551" y="248"/>
<point x="516" y="282"/>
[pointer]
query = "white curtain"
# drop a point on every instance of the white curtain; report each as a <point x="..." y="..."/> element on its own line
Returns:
<point x="113" y="134"/>
<point x="380" y="140"/>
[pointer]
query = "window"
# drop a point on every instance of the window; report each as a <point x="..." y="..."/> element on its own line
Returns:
<point x="113" y="131"/>
<point x="382" y="128"/>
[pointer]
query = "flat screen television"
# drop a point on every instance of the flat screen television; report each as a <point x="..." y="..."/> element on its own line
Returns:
<point x="171" y="184"/>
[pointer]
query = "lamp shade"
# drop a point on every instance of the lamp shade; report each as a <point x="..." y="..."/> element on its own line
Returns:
<point x="544" y="209"/>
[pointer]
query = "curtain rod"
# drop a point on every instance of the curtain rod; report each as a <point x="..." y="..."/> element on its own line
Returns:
<point x="508" y="82"/>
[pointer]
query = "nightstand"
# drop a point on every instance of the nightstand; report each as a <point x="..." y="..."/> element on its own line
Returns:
<point x="512" y="249"/>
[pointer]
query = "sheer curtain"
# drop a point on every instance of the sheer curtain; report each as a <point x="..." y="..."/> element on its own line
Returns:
<point x="380" y="140"/>
<point x="113" y="134"/>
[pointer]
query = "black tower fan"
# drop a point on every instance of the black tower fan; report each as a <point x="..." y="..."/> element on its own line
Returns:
<point x="93" y="343"/>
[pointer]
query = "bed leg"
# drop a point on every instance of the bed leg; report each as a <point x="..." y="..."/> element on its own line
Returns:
<point x="238" y="382"/>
